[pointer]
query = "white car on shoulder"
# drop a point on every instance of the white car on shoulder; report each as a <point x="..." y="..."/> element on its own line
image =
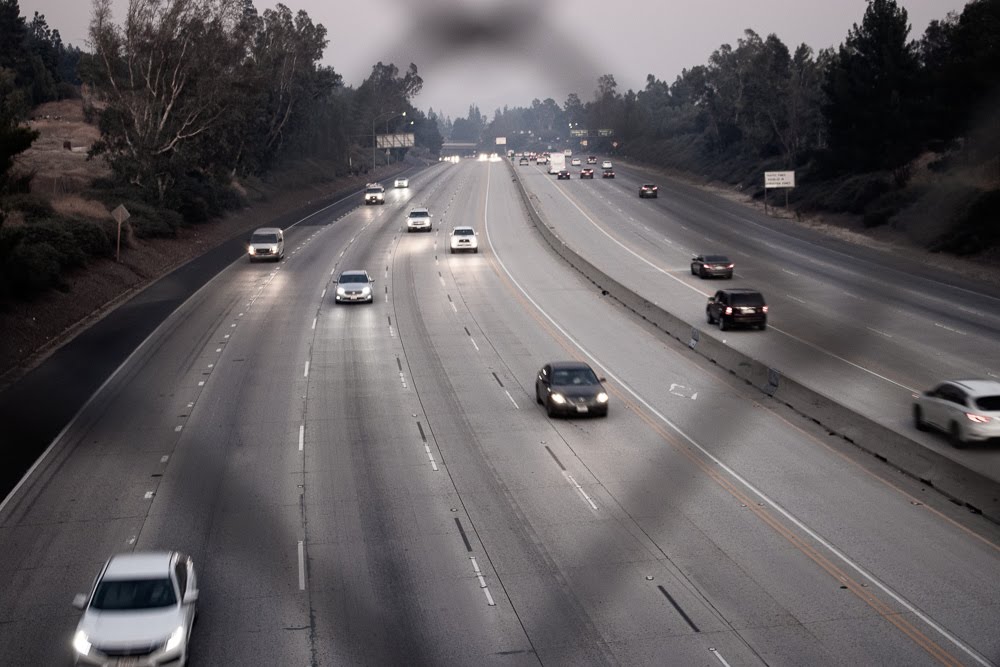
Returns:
<point x="418" y="220"/>
<point x="139" y="612"/>
<point x="464" y="238"/>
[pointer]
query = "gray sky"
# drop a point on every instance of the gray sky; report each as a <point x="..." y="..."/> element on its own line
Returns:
<point x="540" y="48"/>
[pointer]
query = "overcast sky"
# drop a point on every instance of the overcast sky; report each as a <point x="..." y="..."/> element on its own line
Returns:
<point x="497" y="52"/>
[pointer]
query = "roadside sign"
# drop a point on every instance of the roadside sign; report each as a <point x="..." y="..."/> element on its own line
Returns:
<point x="501" y="141"/>
<point x="779" y="179"/>
<point x="120" y="215"/>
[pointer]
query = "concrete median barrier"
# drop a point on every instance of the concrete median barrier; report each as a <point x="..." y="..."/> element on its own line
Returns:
<point x="958" y="482"/>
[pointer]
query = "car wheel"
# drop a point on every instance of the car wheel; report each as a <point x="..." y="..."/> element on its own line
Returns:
<point x="452" y="251"/>
<point x="955" y="436"/>
<point x="693" y="272"/>
<point x="475" y="251"/>
<point x="708" y="314"/>
<point x="701" y="273"/>
<point x="723" y="325"/>
<point x="918" y="418"/>
<point x="538" y="396"/>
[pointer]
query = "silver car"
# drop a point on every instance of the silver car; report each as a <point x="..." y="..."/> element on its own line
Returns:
<point x="355" y="287"/>
<point x="139" y="612"/>
<point x="418" y="220"/>
<point x="266" y="243"/>
<point x="967" y="410"/>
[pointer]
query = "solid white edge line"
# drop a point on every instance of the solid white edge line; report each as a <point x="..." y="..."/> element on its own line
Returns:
<point x="302" y="436"/>
<point x="302" y="566"/>
<point x="306" y="372"/>
<point x="718" y="655"/>
<point x="899" y="599"/>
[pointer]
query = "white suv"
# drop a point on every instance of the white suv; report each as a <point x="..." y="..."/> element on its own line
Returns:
<point x="266" y="243"/>
<point x="418" y="220"/>
<point x="967" y="410"/>
<point x="374" y="194"/>
<point x="464" y="238"/>
<point x="402" y="182"/>
<point x="140" y="611"/>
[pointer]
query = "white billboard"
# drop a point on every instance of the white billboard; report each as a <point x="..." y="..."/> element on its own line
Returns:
<point x="501" y="141"/>
<point x="404" y="140"/>
<point x="779" y="179"/>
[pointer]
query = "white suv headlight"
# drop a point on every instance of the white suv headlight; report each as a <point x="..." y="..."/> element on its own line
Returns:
<point x="81" y="644"/>
<point x="175" y="639"/>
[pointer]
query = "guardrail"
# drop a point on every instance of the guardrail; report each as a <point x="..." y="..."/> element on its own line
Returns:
<point x="959" y="483"/>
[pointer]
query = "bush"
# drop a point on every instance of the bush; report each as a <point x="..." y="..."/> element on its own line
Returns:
<point x="150" y="222"/>
<point x="57" y="235"/>
<point x="976" y="229"/>
<point x="32" y="268"/>
<point x="95" y="239"/>
<point x="883" y="208"/>
<point x="32" y="206"/>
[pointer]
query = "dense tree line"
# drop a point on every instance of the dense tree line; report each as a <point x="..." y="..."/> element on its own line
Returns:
<point x="189" y="95"/>
<point x="868" y="107"/>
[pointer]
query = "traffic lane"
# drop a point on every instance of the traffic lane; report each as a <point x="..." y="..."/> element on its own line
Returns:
<point x="77" y="369"/>
<point x="74" y="486"/>
<point x="384" y="548"/>
<point x="768" y="454"/>
<point x="858" y="308"/>
<point x="859" y="365"/>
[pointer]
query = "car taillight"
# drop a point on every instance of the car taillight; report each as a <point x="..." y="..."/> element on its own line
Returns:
<point x="764" y="309"/>
<point x="977" y="419"/>
<point x="729" y="310"/>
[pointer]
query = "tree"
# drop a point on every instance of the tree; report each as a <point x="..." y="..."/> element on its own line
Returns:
<point x="15" y="138"/>
<point x="870" y="86"/>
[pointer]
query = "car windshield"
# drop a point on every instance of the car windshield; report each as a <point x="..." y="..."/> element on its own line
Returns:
<point x="747" y="300"/>
<point x="119" y="595"/>
<point x="419" y="214"/>
<point x="464" y="232"/>
<point x="716" y="258"/>
<point x="264" y="238"/>
<point x="354" y="278"/>
<point x="573" y="376"/>
<point x="373" y="191"/>
<point x="988" y="403"/>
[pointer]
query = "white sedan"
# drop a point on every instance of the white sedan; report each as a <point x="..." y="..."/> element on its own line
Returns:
<point x="140" y="611"/>
<point x="464" y="238"/>
<point x="402" y="183"/>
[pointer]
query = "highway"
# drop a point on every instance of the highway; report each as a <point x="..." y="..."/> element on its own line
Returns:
<point x="860" y="325"/>
<point x="375" y="484"/>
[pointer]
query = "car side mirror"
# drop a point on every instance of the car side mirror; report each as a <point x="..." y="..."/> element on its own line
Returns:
<point x="371" y="280"/>
<point x="711" y="299"/>
<point x="191" y="596"/>
<point x="602" y="379"/>
<point x="80" y="601"/>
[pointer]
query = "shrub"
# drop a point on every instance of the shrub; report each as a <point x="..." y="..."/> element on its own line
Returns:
<point x="32" y="206"/>
<point x="95" y="239"/>
<point x="32" y="268"/>
<point x="975" y="229"/>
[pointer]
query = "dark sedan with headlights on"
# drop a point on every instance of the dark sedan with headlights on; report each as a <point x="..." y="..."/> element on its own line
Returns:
<point x="571" y="388"/>
<point x="712" y="266"/>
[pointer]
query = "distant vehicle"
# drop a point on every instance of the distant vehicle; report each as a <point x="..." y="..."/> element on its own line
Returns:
<point x="418" y="220"/>
<point x="736" y="305"/>
<point x="648" y="190"/>
<point x="464" y="238"/>
<point x="374" y="194"/>
<point x="140" y="611"/>
<point x="591" y="159"/>
<point x="575" y="162"/>
<point x="607" y="165"/>
<point x="402" y="183"/>
<point x="710" y="266"/>
<point x="523" y="162"/>
<point x="266" y="243"/>
<point x="563" y="175"/>
<point x="967" y="410"/>
<point x="541" y="159"/>
<point x="568" y="152"/>
<point x="355" y="286"/>
<point x="557" y="163"/>
<point x="587" y="172"/>
<point x="571" y="388"/>
<point x="608" y="173"/>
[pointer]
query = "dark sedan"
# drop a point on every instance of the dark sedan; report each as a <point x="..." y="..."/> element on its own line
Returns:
<point x="563" y="175"/>
<point x="571" y="388"/>
<point x="608" y="173"/>
<point x="712" y="266"/>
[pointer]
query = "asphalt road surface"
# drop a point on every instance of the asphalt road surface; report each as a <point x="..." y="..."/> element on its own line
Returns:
<point x="857" y="324"/>
<point x="375" y="484"/>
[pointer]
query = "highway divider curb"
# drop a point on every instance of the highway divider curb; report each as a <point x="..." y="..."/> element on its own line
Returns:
<point x="959" y="483"/>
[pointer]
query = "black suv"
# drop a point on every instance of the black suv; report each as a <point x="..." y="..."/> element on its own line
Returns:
<point x="737" y="306"/>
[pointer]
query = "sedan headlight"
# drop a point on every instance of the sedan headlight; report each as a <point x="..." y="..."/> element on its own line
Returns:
<point x="81" y="644"/>
<point x="558" y="398"/>
<point x="366" y="290"/>
<point x="341" y="291"/>
<point x="253" y="251"/>
<point x="602" y="397"/>
<point x="175" y="639"/>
